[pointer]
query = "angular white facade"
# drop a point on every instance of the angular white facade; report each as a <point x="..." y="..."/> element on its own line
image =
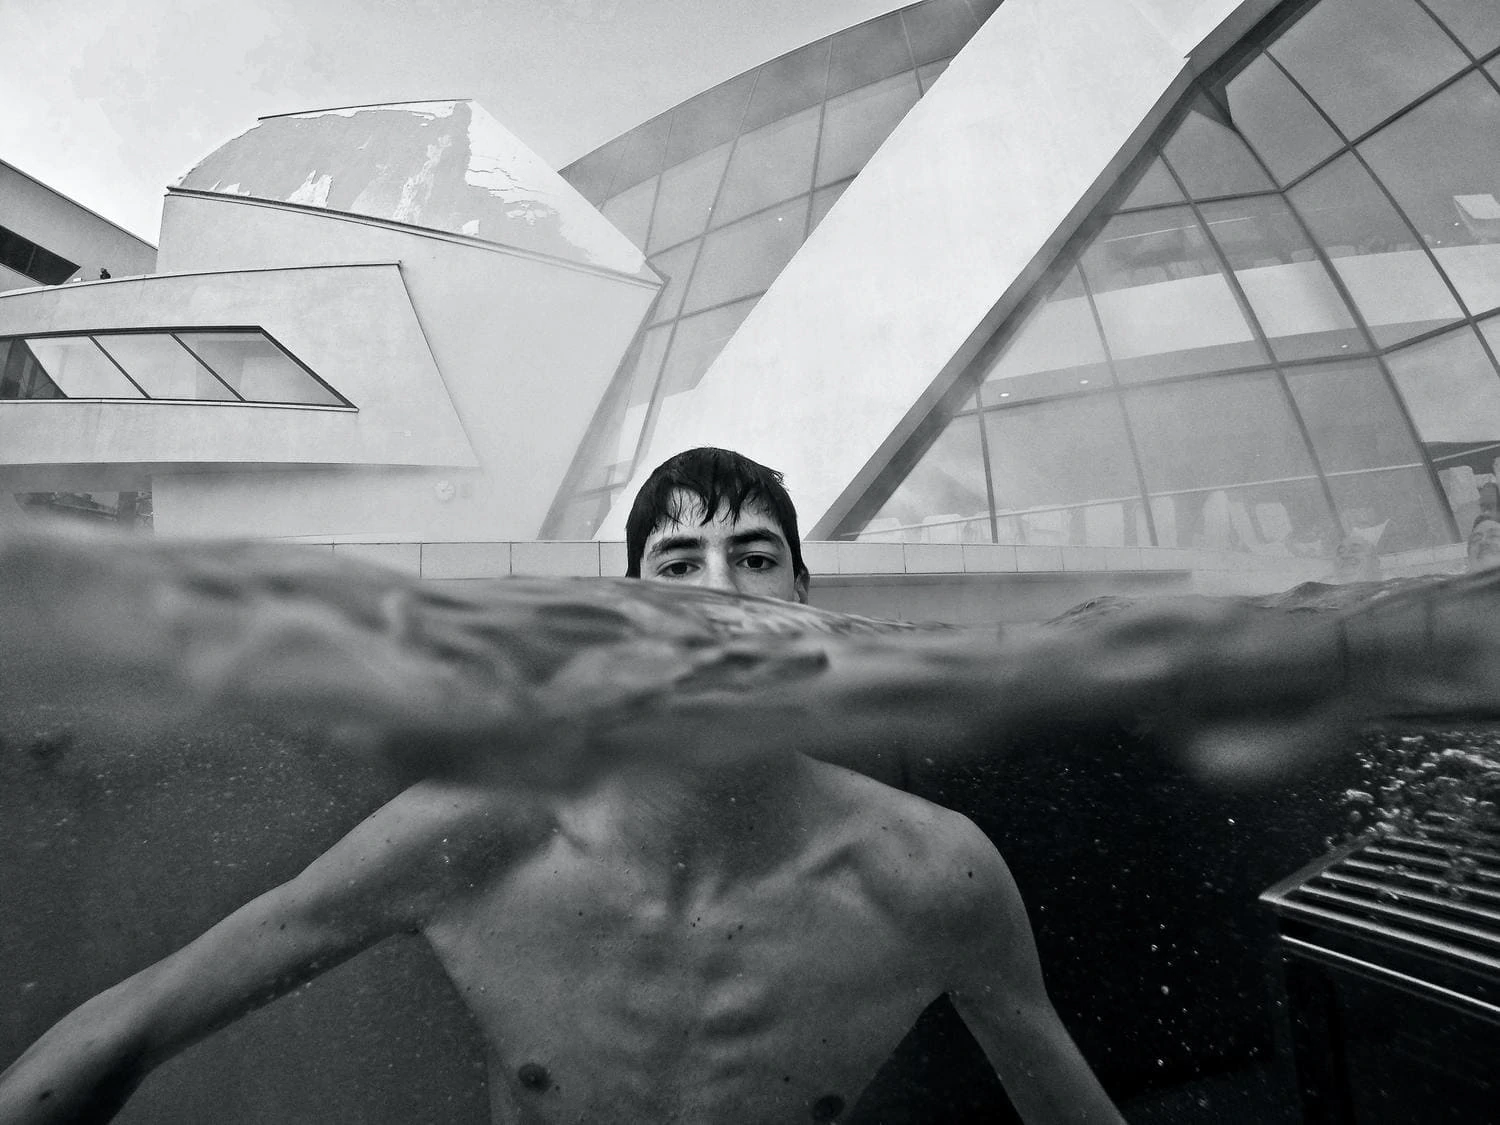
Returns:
<point x="462" y="303"/>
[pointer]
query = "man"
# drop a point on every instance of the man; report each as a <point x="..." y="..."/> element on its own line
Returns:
<point x="700" y="934"/>
<point x="1483" y="548"/>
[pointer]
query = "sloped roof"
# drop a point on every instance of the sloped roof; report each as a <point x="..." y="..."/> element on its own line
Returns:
<point x="444" y="165"/>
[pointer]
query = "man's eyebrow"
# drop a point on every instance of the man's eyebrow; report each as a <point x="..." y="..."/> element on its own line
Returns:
<point x="676" y="543"/>
<point x="756" y="535"/>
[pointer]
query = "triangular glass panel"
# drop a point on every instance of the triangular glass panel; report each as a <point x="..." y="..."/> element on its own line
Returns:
<point x="1210" y="158"/>
<point x="1155" y="187"/>
<point x="1056" y="350"/>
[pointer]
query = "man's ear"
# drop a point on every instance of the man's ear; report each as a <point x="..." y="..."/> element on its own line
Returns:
<point x="800" y="586"/>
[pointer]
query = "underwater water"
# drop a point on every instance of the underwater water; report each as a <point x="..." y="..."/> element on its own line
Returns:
<point x="1141" y="878"/>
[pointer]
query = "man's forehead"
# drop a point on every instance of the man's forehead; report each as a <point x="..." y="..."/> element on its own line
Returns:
<point x="685" y="512"/>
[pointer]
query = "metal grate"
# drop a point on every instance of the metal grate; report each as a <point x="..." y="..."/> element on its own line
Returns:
<point x="1434" y="887"/>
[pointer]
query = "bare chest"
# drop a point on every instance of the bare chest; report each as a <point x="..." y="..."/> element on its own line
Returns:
<point x="599" y="996"/>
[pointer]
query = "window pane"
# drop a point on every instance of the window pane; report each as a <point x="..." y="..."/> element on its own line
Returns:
<point x="1055" y="454"/>
<point x="686" y="198"/>
<point x="637" y="403"/>
<point x="1155" y="186"/>
<point x="745" y="258"/>
<point x="937" y="29"/>
<point x="1390" y="277"/>
<point x="1278" y="121"/>
<point x="674" y="265"/>
<point x="698" y="342"/>
<point x="1289" y="290"/>
<point x="1210" y="158"/>
<point x="823" y="200"/>
<point x="855" y="124"/>
<point x="257" y="368"/>
<point x="50" y="268"/>
<point x="582" y="517"/>
<point x="1452" y="393"/>
<point x="594" y="174"/>
<point x="1057" y="350"/>
<point x="80" y="369"/>
<point x="1277" y="519"/>
<point x="788" y="84"/>
<point x="942" y="499"/>
<point x="868" y="53"/>
<point x="608" y="459"/>
<point x="643" y="156"/>
<point x="1166" y="306"/>
<point x="1213" y="432"/>
<point x="163" y="367"/>
<point x="1362" y="60"/>
<point x="928" y="74"/>
<point x="769" y="165"/>
<point x="1394" y="510"/>
<point x="710" y="119"/>
<point x="1475" y="22"/>
<point x="1352" y="417"/>
<point x="21" y="376"/>
<point x="1442" y="163"/>
<point x="630" y="211"/>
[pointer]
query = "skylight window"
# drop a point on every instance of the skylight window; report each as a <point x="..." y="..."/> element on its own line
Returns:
<point x="241" y="365"/>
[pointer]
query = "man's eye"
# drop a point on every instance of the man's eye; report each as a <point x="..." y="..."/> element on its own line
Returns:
<point x="758" y="562"/>
<point x="676" y="570"/>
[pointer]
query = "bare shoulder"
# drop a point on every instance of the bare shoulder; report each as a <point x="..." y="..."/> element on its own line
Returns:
<point x="407" y="859"/>
<point x="927" y="862"/>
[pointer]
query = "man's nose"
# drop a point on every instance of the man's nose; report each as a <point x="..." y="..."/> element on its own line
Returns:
<point x="719" y="575"/>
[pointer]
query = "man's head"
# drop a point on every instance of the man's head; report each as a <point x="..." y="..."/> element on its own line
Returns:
<point x="1484" y="542"/>
<point x="711" y="517"/>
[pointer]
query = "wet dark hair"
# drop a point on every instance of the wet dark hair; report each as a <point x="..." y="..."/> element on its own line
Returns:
<point x="722" y="480"/>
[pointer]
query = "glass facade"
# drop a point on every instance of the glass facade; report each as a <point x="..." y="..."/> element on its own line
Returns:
<point x="191" y="365"/>
<point x="36" y="262"/>
<point x="1280" y="333"/>
<point x="721" y="192"/>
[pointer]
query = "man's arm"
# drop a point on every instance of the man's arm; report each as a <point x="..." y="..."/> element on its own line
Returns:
<point x="997" y="987"/>
<point x="384" y="877"/>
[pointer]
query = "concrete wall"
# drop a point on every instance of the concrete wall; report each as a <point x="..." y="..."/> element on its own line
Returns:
<point x="526" y="345"/>
<point x="55" y="222"/>
<point x="353" y="325"/>
<point x="939" y="238"/>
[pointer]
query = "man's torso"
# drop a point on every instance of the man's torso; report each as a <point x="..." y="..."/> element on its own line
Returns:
<point x="608" y="991"/>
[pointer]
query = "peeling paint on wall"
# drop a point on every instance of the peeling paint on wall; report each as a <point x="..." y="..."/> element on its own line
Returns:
<point x="446" y="166"/>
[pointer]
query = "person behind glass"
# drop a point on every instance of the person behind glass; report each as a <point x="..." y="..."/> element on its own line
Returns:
<point x="1484" y="541"/>
<point x="689" y="938"/>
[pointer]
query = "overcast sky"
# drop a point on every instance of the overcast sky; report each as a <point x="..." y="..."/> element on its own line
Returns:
<point x="108" y="101"/>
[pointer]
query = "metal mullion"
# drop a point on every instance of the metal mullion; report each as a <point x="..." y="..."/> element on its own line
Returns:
<point x="1376" y="353"/>
<point x="666" y="147"/>
<point x="984" y="456"/>
<point x="206" y="367"/>
<point x="653" y="409"/>
<point x="1447" y="30"/>
<point x="306" y="370"/>
<point x="1117" y="389"/>
<point x="721" y="305"/>
<point x="1380" y="352"/>
<point x="1253" y="321"/>
<point x="743" y="218"/>
<point x="1360" y="138"/>
<point x="121" y="369"/>
<point x="818" y="146"/>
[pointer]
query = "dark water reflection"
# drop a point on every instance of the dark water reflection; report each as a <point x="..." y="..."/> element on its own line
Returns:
<point x="1142" y="884"/>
